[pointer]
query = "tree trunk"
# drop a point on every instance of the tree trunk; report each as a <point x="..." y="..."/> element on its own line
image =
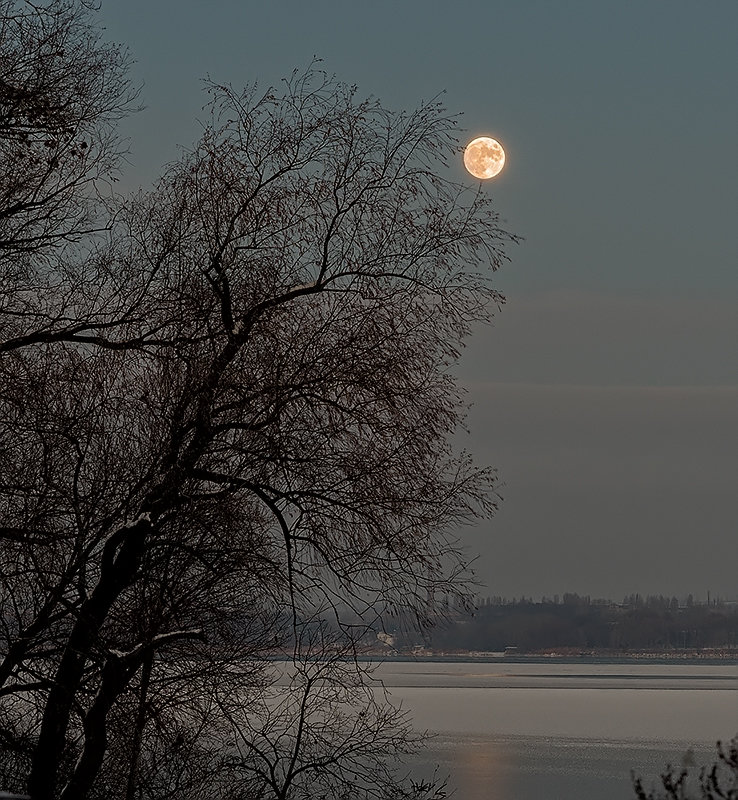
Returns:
<point x="55" y="722"/>
<point x="139" y="726"/>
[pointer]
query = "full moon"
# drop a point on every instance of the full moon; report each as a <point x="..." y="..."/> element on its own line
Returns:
<point x="484" y="157"/>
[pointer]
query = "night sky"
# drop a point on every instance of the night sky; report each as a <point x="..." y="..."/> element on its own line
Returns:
<point x="606" y="393"/>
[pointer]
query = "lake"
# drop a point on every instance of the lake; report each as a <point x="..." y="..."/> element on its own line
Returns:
<point x="529" y="731"/>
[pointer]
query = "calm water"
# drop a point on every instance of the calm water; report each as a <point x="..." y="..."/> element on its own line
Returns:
<point x="507" y="731"/>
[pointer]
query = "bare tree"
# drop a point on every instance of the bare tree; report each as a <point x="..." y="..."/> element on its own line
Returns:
<point x="328" y="731"/>
<point x="62" y="91"/>
<point x="247" y="431"/>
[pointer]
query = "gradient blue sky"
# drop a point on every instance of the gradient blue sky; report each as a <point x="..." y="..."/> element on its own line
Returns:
<point x="607" y="391"/>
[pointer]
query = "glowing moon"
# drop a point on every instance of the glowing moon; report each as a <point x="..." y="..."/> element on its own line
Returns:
<point x="484" y="157"/>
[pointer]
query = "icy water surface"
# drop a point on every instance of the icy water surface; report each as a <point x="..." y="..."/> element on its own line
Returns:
<point x="529" y="731"/>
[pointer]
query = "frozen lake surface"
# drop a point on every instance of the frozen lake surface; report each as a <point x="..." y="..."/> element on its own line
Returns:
<point x="529" y="731"/>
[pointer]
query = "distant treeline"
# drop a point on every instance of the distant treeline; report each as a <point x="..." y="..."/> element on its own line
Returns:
<point x="575" y="621"/>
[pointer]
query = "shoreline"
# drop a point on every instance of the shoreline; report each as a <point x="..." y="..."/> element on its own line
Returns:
<point x="707" y="657"/>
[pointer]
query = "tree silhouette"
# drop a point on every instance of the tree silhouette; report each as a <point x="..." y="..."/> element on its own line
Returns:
<point x="225" y="420"/>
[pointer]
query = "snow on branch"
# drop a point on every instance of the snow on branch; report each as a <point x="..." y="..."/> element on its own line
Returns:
<point x="157" y="641"/>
